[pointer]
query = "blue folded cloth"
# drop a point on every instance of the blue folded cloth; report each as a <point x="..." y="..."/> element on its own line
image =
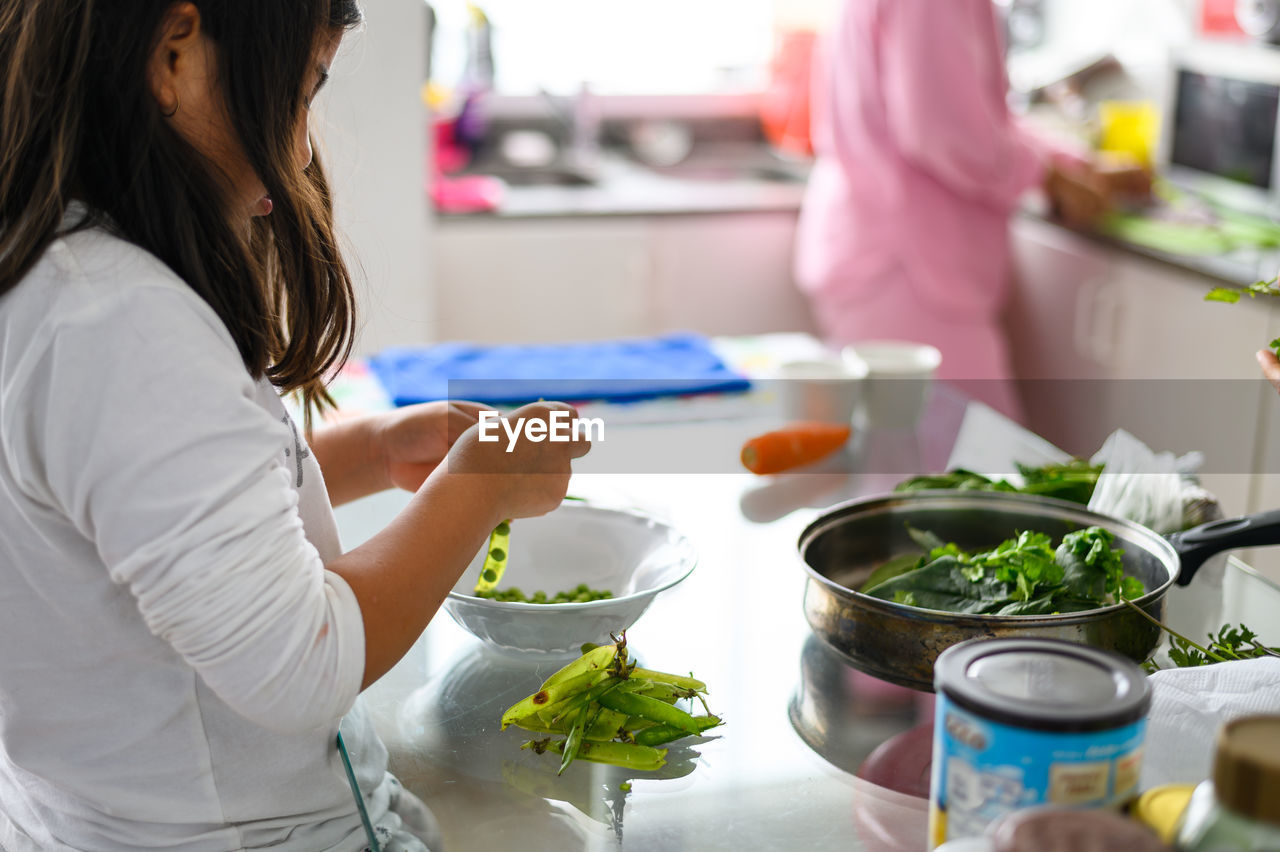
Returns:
<point x="615" y="370"/>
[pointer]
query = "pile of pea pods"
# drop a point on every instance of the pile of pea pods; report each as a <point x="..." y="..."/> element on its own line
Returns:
<point x="604" y="708"/>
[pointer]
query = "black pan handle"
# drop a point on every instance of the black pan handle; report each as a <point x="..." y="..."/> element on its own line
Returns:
<point x="1197" y="544"/>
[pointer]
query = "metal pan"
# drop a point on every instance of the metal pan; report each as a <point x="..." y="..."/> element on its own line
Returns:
<point x="899" y="643"/>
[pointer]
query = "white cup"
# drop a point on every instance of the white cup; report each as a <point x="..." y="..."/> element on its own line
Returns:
<point x="825" y="390"/>
<point x="899" y="378"/>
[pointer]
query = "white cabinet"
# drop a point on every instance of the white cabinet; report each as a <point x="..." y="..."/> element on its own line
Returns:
<point x="542" y="279"/>
<point x="1060" y="304"/>
<point x="1188" y="370"/>
<point x="1164" y="328"/>
<point x="1061" y="333"/>
<point x="1107" y="339"/>
<point x="1266" y="481"/>
<point x="727" y="274"/>
<point x="575" y="278"/>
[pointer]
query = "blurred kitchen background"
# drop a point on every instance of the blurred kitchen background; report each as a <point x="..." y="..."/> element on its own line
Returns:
<point x="590" y="169"/>
<point x="551" y="97"/>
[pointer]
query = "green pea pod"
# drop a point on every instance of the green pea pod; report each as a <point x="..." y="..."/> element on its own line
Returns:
<point x="674" y="680"/>
<point x="573" y="743"/>
<point x="598" y="732"/>
<point x="667" y="692"/>
<point x="661" y="734"/>
<point x="637" y="723"/>
<point x="550" y="695"/>
<point x="495" y="559"/>
<point x="650" y="708"/>
<point x="607" y="725"/>
<point x="603" y="727"/>
<point x="600" y="657"/>
<point x="566" y="708"/>
<point x="627" y="755"/>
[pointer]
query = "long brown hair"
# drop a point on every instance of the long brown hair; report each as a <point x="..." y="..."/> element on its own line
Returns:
<point x="78" y="122"/>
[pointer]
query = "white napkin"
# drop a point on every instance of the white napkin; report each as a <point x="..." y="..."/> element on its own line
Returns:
<point x="1188" y="707"/>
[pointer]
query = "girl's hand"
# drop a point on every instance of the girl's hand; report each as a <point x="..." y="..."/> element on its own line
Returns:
<point x="1270" y="367"/>
<point x="413" y="440"/>
<point x="524" y="477"/>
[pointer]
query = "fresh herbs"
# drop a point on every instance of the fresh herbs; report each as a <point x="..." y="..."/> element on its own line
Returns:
<point x="1093" y="570"/>
<point x="1231" y="295"/>
<point x="1074" y="481"/>
<point x="1025" y="575"/>
<point x="1230" y="643"/>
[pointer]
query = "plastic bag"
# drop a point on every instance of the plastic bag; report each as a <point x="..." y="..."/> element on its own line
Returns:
<point x="1157" y="490"/>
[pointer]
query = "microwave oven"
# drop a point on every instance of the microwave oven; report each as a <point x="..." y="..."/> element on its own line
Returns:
<point x="1220" y="134"/>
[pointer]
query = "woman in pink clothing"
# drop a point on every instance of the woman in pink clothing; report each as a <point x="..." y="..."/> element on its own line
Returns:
<point x="904" y="229"/>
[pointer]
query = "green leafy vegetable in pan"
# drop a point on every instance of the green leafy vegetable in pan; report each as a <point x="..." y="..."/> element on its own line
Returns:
<point x="1025" y="575"/>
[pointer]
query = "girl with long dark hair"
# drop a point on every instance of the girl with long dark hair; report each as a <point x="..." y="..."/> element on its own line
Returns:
<point x="182" y="633"/>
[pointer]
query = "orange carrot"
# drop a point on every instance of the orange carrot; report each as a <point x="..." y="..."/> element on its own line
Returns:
<point x="795" y="445"/>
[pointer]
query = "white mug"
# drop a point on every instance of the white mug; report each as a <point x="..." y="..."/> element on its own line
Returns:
<point x="822" y="390"/>
<point x="899" y="378"/>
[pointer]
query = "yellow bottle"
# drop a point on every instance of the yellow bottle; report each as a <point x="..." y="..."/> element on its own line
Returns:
<point x="1130" y="128"/>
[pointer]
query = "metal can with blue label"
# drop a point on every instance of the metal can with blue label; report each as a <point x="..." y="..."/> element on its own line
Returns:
<point x="1031" y="722"/>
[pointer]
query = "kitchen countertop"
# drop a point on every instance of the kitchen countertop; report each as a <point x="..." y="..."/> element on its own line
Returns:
<point x="623" y="187"/>
<point x="1239" y="268"/>
<point x="799" y="722"/>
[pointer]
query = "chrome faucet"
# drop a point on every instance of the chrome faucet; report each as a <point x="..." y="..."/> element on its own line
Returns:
<point x="580" y="116"/>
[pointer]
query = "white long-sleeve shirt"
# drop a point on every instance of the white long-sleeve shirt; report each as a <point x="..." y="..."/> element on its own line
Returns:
<point x="174" y="657"/>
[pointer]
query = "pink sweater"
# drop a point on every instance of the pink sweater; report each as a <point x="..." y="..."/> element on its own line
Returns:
<point x="919" y="162"/>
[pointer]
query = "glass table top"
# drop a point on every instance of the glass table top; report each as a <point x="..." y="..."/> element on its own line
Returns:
<point x="813" y="754"/>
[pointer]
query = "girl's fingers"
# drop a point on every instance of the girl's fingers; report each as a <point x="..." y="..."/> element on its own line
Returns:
<point x="579" y="448"/>
<point x="471" y="409"/>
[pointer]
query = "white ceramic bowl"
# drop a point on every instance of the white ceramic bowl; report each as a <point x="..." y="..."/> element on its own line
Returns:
<point x="630" y="554"/>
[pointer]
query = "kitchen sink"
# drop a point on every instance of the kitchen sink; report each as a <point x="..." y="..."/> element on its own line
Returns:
<point x="734" y="167"/>
<point x="718" y="172"/>
<point x="537" y="175"/>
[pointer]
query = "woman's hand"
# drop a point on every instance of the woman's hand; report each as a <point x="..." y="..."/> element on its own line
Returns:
<point x="1077" y="194"/>
<point x="413" y="440"/>
<point x="1270" y="367"/>
<point x="1125" y="183"/>
<point x="1081" y="193"/>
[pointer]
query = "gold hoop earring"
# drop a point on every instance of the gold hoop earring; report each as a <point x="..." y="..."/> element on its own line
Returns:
<point x="171" y="113"/>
